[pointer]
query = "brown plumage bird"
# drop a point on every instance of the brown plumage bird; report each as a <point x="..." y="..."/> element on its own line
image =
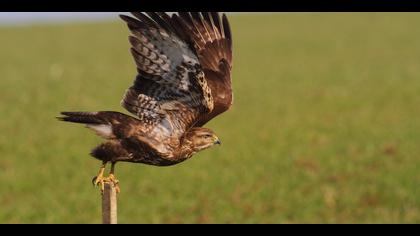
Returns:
<point x="184" y="66"/>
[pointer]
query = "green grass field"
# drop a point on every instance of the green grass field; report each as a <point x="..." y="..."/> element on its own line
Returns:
<point x="325" y="126"/>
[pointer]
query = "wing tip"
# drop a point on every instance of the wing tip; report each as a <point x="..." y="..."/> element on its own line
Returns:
<point x="125" y="18"/>
<point x="226" y="27"/>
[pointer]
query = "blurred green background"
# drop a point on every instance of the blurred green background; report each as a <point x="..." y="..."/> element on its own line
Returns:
<point x="324" y="129"/>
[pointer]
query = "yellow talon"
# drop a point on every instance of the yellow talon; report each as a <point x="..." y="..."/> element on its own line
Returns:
<point x="111" y="179"/>
<point x="100" y="180"/>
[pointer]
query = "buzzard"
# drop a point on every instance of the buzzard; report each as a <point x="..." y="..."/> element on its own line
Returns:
<point x="184" y="63"/>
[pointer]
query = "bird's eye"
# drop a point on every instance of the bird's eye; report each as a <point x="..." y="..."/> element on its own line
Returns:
<point x="207" y="136"/>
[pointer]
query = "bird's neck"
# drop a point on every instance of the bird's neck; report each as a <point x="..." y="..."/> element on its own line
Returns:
<point x="186" y="149"/>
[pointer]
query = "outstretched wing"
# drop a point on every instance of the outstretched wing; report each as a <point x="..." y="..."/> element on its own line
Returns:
<point x="170" y="93"/>
<point x="211" y="38"/>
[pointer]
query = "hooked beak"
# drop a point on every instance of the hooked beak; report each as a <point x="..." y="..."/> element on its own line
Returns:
<point x="218" y="142"/>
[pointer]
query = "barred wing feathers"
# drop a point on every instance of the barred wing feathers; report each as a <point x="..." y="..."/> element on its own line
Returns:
<point x="170" y="89"/>
<point x="211" y="38"/>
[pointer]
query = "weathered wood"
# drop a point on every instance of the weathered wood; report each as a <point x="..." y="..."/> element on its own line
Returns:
<point x="109" y="204"/>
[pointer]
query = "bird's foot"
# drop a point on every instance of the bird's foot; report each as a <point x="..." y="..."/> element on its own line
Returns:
<point x="115" y="182"/>
<point x="100" y="181"/>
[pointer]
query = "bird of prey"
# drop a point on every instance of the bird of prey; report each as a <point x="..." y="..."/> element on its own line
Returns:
<point x="184" y="63"/>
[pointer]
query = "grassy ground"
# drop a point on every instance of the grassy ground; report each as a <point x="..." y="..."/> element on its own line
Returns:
<point x="325" y="127"/>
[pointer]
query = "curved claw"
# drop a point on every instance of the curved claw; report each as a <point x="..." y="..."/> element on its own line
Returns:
<point x="94" y="180"/>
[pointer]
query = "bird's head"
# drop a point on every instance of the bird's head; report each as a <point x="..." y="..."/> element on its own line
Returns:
<point x="200" y="138"/>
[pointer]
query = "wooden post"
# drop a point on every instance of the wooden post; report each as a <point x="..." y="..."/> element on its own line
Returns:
<point x="109" y="204"/>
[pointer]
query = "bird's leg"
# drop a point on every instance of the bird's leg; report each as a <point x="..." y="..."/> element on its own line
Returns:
<point x="100" y="179"/>
<point x="111" y="178"/>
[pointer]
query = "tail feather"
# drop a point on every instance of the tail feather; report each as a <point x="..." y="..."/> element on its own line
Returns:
<point x="82" y="117"/>
<point x="107" y="124"/>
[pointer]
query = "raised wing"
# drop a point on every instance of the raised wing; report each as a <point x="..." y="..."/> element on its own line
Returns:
<point x="211" y="38"/>
<point x="170" y="91"/>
